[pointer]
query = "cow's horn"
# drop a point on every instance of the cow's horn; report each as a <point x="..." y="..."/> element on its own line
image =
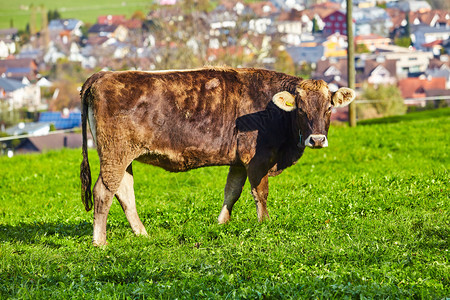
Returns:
<point x="284" y="100"/>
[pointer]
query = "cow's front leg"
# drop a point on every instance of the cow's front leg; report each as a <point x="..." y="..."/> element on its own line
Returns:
<point x="233" y="189"/>
<point x="260" y="190"/>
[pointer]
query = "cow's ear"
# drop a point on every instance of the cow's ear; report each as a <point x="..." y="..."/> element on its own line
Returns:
<point x="284" y="100"/>
<point x="342" y="97"/>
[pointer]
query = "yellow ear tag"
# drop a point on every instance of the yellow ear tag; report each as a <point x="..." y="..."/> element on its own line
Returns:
<point x="289" y="103"/>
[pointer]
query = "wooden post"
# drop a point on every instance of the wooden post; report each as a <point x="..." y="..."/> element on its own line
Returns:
<point x="351" y="62"/>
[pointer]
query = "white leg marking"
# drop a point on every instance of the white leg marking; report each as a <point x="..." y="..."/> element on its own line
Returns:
<point x="224" y="215"/>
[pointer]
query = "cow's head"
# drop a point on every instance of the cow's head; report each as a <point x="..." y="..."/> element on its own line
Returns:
<point x="312" y="104"/>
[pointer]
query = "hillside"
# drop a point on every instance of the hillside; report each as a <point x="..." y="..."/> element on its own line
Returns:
<point x="87" y="11"/>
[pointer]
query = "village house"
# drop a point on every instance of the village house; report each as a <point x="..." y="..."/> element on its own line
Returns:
<point x="423" y="35"/>
<point x="118" y="32"/>
<point x="378" y="71"/>
<point x="333" y="71"/>
<point x="294" y="25"/>
<point x="372" y="41"/>
<point x="7" y="48"/>
<point x="413" y="6"/>
<point x="18" y="95"/>
<point x="335" y="23"/>
<point x="261" y="19"/>
<point x="440" y="68"/>
<point x="8" y="39"/>
<point x="409" y="61"/>
<point x="420" y="88"/>
<point x="319" y="48"/>
<point x="373" y="20"/>
<point x="18" y="68"/>
<point x="65" y="30"/>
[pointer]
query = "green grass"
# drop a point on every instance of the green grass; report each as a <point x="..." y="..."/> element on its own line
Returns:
<point x="367" y="217"/>
<point x="85" y="10"/>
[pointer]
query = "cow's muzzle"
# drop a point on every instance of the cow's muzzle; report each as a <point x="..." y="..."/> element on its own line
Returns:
<point x="316" y="141"/>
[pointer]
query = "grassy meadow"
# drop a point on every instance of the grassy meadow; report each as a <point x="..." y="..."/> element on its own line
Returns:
<point x="367" y="217"/>
<point x="85" y="10"/>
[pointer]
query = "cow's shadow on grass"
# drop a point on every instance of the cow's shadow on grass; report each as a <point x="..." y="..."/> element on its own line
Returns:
<point x="32" y="233"/>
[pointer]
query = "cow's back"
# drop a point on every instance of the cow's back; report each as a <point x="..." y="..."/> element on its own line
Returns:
<point x="176" y="120"/>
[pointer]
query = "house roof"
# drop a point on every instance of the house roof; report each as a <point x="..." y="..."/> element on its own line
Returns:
<point x="428" y="29"/>
<point x="438" y="63"/>
<point x="133" y="24"/>
<point x="97" y="40"/>
<point x="263" y="9"/>
<point x="323" y="66"/>
<point x="333" y="13"/>
<point x="291" y="15"/>
<point x="49" y="142"/>
<point x="417" y="87"/>
<point x="111" y="19"/>
<point x="423" y="17"/>
<point x="18" y="63"/>
<point x="97" y="28"/>
<point x="326" y="5"/>
<point x="10" y="85"/>
<point x="29" y="128"/>
<point x="371" y="64"/>
<point x="437" y="92"/>
<point x="433" y="44"/>
<point x="414" y="6"/>
<point x="8" y="33"/>
<point x="63" y="24"/>
<point x="60" y="121"/>
<point x="370" y="37"/>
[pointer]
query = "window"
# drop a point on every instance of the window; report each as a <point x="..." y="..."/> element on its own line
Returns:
<point x="331" y="18"/>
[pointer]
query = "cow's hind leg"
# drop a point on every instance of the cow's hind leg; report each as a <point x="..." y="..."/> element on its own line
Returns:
<point x="105" y="188"/>
<point x="233" y="189"/>
<point x="102" y="203"/>
<point x="125" y="195"/>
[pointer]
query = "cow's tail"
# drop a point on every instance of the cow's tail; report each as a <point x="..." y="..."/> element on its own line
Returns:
<point x="85" y="170"/>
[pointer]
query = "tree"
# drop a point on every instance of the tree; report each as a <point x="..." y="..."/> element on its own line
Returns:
<point x="33" y="29"/>
<point x="361" y="48"/>
<point x="387" y="101"/>
<point x="53" y="15"/>
<point x="68" y="95"/>
<point x="403" y="41"/>
<point x="139" y="15"/>
<point x="315" y="28"/>
<point x="284" y="63"/>
<point x="407" y="26"/>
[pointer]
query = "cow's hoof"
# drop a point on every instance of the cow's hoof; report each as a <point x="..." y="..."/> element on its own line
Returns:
<point x="99" y="244"/>
<point x="140" y="232"/>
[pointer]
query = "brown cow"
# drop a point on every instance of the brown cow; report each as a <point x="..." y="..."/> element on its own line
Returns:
<point x="256" y="121"/>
